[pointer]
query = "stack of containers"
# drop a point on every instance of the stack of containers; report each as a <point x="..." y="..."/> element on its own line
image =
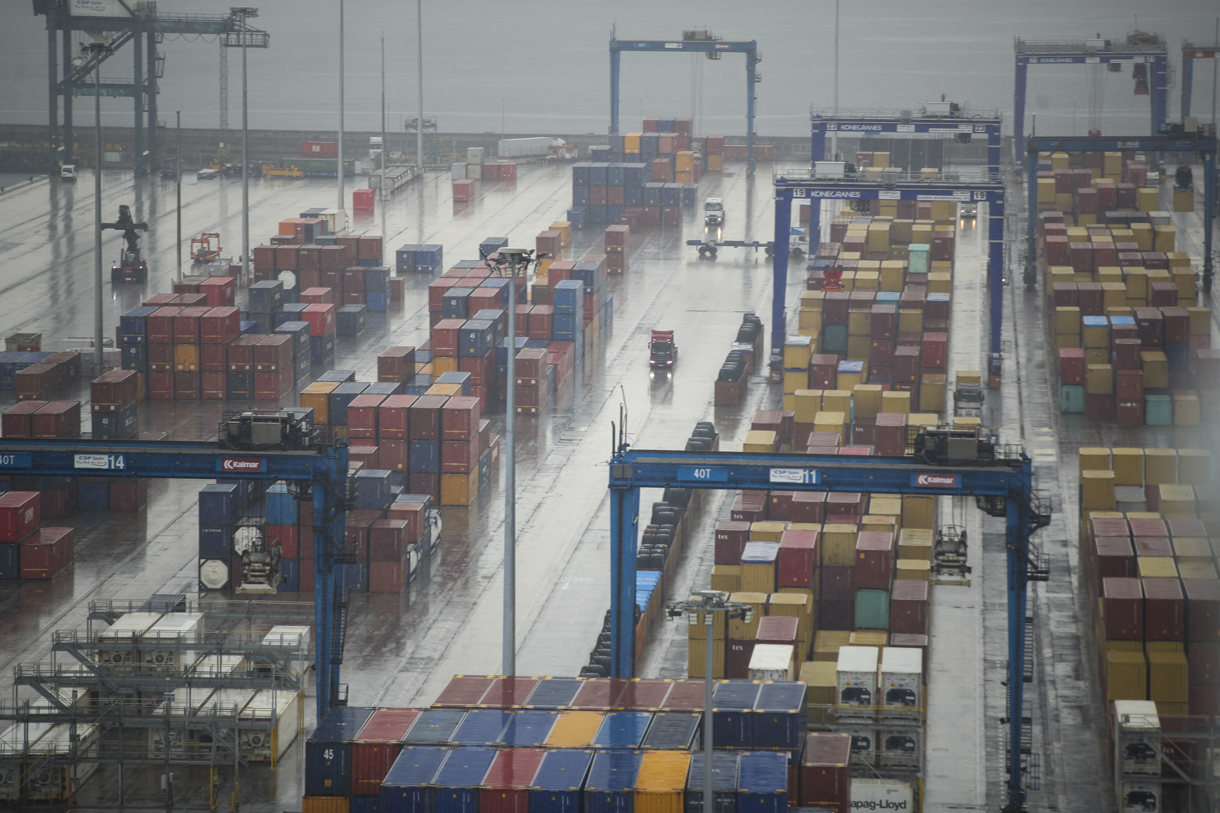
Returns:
<point x="114" y="405"/>
<point x="460" y="450"/>
<point x="266" y="298"/>
<point x="219" y="510"/>
<point x="28" y="552"/>
<point x="422" y="259"/>
<point x="321" y="319"/>
<point x="282" y="531"/>
<point x="44" y="379"/>
<point x="713" y="153"/>
<point x="616" y="248"/>
<point x="301" y="353"/>
<point x="274" y="366"/>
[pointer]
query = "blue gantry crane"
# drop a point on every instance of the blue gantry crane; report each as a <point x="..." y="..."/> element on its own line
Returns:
<point x="947" y="462"/>
<point x="1201" y="142"/>
<point x="1189" y="54"/>
<point x="1145" y="52"/>
<point x="808" y="186"/>
<point x="698" y="41"/>
<point x="946" y="120"/>
<point x="258" y="448"/>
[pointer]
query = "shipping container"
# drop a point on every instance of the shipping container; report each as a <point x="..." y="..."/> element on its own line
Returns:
<point x="506" y="788"/>
<point x="458" y="780"/>
<point x="328" y="751"/>
<point x="610" y="785"/>
<point x="558" y="784"/>
<point x="724" y="782"/>
<point x="762" y="782"/>
<point x="377" y="747"/>
<point x="408" y="785"/>
<point x="435" y="727"/>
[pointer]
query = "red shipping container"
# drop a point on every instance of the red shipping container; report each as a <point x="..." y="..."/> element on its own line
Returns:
<point x="505" y="789"/>
<point x="842" y="505"/>
<point x="389" y="577"/>
<point x="392" y="455"/>
<point x="424" y="421"/>
<point x="307" y="575"/>
<point x="16" y="422"/>
<point x="1202" y="610"/>
<point x="45" y="554"/>
<point x="909" y="607"/>
<point x="388" y="540"/>
<point x="778" y="629"/>
<point x="1113" y="557"/>
<point x="362" y="416"/>
<point x="459" y="456"/>
<point x="321" y="318"/>
<point x="445" y="337"/>
<point x="161" y="358"/>
<point x="460" y="418"/>
<point x="809" y="506"/>
<point x="56" y="419"/>
<point x="376" y="747"/>
<point x="161" y="385"/>
<point x="363" y="454"/>
<point x="286" y="537"/>
<point x="1153" y="546"/>
<point x="128" y="495"/>
<point x="1164" y="610"/>
<point x="1204" y="663"/>
<point x="874" y="560"/>
<point x="838" y="584"/>
<point x="213" y="386"/>
<point x="730" y="540"/>
<point x="220" y="291"/>
<point x="737" y="655"/>
<point x="273" y="353"/>
<point x="188" y="386"/>
<point x="219" y="325"/>
<point x="825" y="771"/>
<point x="186" y="325"/>
<point x="356" y="534"/>
<point x="160" y="325"/>
<point x="213" y="358"/>
<point x="392" y="417"/>
<point x="1122" y="608"/>
<point x="272" y="386"/>
<point x="934" y="350"/>
<point x="414" y="513"/>
<point x="796" y="564"/>
<point x="287" y="257"/>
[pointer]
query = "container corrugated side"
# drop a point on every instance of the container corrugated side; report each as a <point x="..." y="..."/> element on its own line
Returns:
<point x="575" y="729"/>
<point x="559" y="782"/>
<point x="377" y="747"/>
<point x="610" y="786"/>
<point x="661" y="781"/>
<point x="408" y="787"/>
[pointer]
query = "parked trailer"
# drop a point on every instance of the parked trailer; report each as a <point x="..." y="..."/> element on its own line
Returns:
<point x="533" y="147"/>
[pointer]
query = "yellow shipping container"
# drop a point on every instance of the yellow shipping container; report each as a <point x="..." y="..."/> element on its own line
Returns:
<point x="1067" y="319"/>
<point x="1099" y="379"/>
<point x="1128" y="466"/>
<point x="1097" y="490"/>
<point x="826" y="644"/>
<point x="838" y="400"/>
<point x="910" y="320"/>
<point x="837" y="545"/>
<point x="867" y="400"/>
<point x="807" y="404"/>
<point x="726" y="578"/>
<point x="1160" y="466"/>
<point x="767" y="530"/>
<point x="1046" y="190"/>
<point x="186" y="358"/>
<point x="827" y="421"/>
<point x="1148" y="198"/>
<point x="444" y="364"/>
<point x="915" y="543"/>
<point x="1194" y="466"/>
<point x="739" y="630"/>
<point x="918" y="511"/>
<point x="1168" y="673"/>
<point x="564" y="228"/>
<point x="795" y="380"/>
<point x="932" y="392"/>
<point x="878" y="522"/>
<point x="1177" y="500"/>
<point x="317" y="397"/>
<point x="444" y="390"/>
<point x="696" y="658"/>
<point x="661" y="783"/>
<point x="1126" y="673"/>
<point x="797" y="350"/>
<point x="940" y="282"/>
<point x="918" y="569"/>
<point x="886" y="505"/>
<point x="1186" y="409"/>
<point x="459" y="489"/>
<point x="1190" y="550"/>
<point x="1183" y="200"/>
<point x="325" y="804"/>
<point x="868" y="638"/>
<point x="1198" y="568"/>
<point x="757" y="577"/>
<point x="891" y="272"/>
<point x="1156" y="567"/>
<point x="715" y="163"/>
<point x="1094" y="458"/>
<point x="821" y="682"/>
<point x="896" y="401"/>
<point x="761" y="441"/>
<point x="631" y="143"/>
<point x="1155" y="365"/>
<point x="575" y="729"/>
<point x="1200" y="320"/>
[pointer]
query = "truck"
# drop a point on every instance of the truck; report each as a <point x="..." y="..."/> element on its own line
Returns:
<point x="67" y="172"/>
<point x="662" y="350"/>
<point x="532" y="147"/>
<point x="713" y="212"/>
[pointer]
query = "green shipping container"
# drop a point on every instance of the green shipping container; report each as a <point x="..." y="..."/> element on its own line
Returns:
<point x="834" y="339"/>
<point x="1071" y="398"/>
<point x="917" y="258"/>
<point x="1158" y="410"/>
<point x="872" y="609"/>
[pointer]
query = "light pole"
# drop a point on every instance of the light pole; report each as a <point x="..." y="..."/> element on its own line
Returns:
<point x="419" y="62"/>
<point x="97" y="51"/>
<point x="178" y="175"/>
<point x="704" y="608"/>
<point x="244" y="13"/>
<point x="511" y="262"/>
<point x="340" y="150"/>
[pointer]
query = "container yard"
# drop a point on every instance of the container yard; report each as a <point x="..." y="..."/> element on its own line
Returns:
<point x="936" y="448"/>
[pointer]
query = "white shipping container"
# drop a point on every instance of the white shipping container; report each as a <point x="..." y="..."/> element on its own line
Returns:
<point x="773" y="662"/>
<point x="1139" y="736"/>
<point x="856" y="682"/>
<point x="474" y="172"/>
<point x="901" y="681"/>
<point x="177" y="713"/>
<point x="291" y="643"/>
<point x="882" y="794"/>
<point x="336" y="220"/>
<point x="278" y="717"/>
<point x="225" y="706"/>
<point x="183" y="628"/>
<point x="830" y="170"/>
<point x="457" y="172"/>
<point x="900" y="747"/>
<point x="532" y="147"/>
<point x="474" y="155"/>
<point x="1140" y="797"/>
<point x="126" y="630"/>
<point x="216" y="666"/>
<point x="13" y="744"/>
<point x="863" y="744"/>
<point x="53" y="780"/>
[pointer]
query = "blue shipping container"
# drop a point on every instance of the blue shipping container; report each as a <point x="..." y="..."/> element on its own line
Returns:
<point x="762" y="782"/>
<point x="350" y="320"/>
<point x="215" y="541"/>
<point x="435" y="727"/>
<point x="407" y="787"/>
<point x="10" y="560"/>
<point x="328" y="751"/>
<point x="281" y="506"/>
<point x="557" y="784"/>
<point x="455" y="303"/>
<point x="424" y="457"/>
<point x="610" y="785"/>
<point x="457" y="782"/>
<point x="134" y="323"/>
<point x="373" y="489"/>
<point x="322" y="348"/>
<point x="724" y="782"/>
<point x="93" y="494"/>
<point x="290" y="576"/>
<point x="475" y="339"/>
<point x="338" y="376"/>
<point x="482" y="727"/>
<point x="553" y="693"/>
<point x="462" y="379"/>
<point x="218" y="504"/>
<point x="121" y="425"/>
<point x="622" y="729"/>
<point x="732" y="704"/>
<point x="404" y="258"/>
<point x="340" y="397"/>
<point x="672" y="731"/>
<point x="779" y="716"/>
<point x="266" y="296"/>
<point x="529" y="728"/>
